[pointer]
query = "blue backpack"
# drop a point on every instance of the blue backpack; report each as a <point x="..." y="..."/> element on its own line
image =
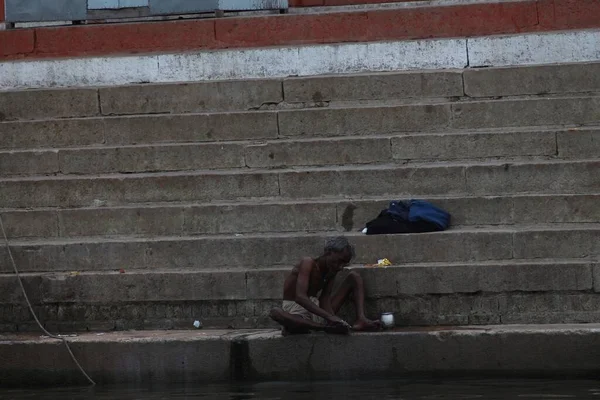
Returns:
<point x="419" y="210"/>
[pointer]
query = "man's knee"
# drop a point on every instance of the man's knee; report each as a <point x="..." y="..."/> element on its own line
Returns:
<point x="355" y="277"/>
<point x="275" y="312"/>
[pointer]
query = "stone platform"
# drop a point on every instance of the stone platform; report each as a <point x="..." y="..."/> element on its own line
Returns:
<point x="142" y="357"/>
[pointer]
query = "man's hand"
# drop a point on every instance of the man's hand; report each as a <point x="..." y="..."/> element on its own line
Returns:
<point x="334" y="320"/>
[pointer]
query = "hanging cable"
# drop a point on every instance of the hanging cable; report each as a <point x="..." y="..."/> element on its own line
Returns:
<point x="33" y="312"/>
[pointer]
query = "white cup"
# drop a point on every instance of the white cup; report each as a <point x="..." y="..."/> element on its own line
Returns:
<point x="387" y="319"/>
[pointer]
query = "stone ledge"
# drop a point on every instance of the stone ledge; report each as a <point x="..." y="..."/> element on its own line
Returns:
<point x="266" y="284"/>
<point x="554" y="307"/>
<point x="342" y="215"/>
<point x="459" y="245"/>
<point x="186" y="356"/>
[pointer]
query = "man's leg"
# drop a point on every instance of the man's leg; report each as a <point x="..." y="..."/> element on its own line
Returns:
<point x="353" y="284"/>
<point x="295" y="324"/>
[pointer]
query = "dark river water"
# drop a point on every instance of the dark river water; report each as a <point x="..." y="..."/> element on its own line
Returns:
<point x="346" y="390"/>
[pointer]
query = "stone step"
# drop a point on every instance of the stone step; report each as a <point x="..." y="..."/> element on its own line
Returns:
<point x="176" y="357"/>
<point x="127" y="130"/>
<point x="339" y="119"/>
<point x="336" y="215"/>
<point x="253" y="94"/>
<point x="267" y="284"/>
<point x="474" y="83"/>
<point x="378" y="118"/>
<point x="419" y="294"/>
<point x="562" y="144"/>
<point x="139" y="99"/>
<point x="250" y="251"/>
<point x="413" y="180"/>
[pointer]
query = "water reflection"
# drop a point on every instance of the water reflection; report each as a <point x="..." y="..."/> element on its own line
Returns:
<point x="353" y="390"/>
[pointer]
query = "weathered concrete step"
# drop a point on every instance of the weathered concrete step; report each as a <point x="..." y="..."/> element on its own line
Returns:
<point x="562" y="144"/>
<point x="418" y="294"/>
<point x="485" y="82"/>
<point x="116" y="131"/>
<point x="344" y="119"/>
<point x="223" y="355"/>
<point x="267" y="284"/>
<point x="414" y="180"/>
<point x="284" y="249"/>
<point x="300" y="216"/>
<point x="410" y="310"/>
<point x="385" y="119"/>
<point x="252" y="94"/>
<point x="139" y="99"/>
<point x="192" y="285"/>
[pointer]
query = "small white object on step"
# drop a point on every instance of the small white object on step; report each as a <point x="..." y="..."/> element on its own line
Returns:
<point x="197" y="324"/>
<point x="387" y="319"/>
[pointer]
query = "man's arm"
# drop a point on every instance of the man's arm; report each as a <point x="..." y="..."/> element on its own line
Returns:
<point x="302" y="298"/>
<point x="325" y="299"/>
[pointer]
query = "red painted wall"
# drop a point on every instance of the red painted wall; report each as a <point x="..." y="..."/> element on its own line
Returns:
<point x="466" y="20"/>
<point x="1" y="10"/>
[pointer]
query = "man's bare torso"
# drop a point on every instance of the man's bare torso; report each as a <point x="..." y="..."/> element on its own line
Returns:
<point x="316" y="282"/>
